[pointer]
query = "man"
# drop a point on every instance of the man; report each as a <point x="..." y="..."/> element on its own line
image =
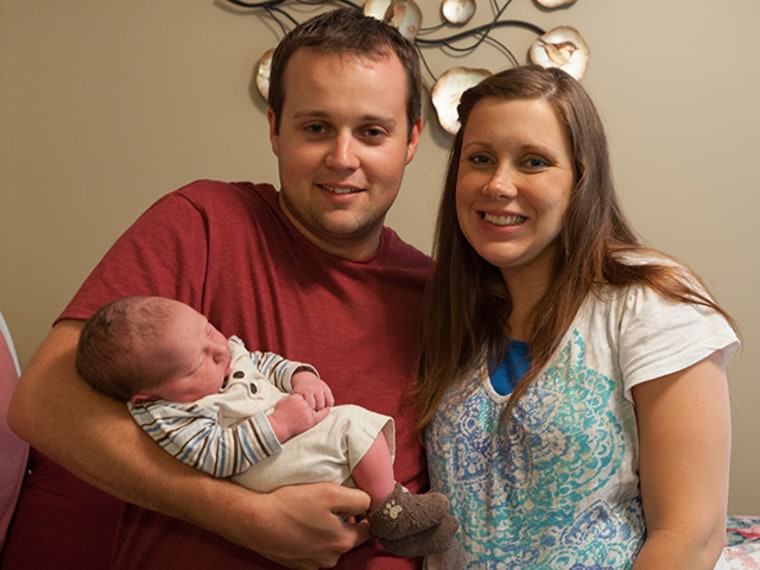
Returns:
<point x="309" y="272"/>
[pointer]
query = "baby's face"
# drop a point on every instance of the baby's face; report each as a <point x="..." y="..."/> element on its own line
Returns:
<point x="194" y="354"/>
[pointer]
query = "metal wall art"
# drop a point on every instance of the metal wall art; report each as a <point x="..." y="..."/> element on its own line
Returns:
<point x="562" y="47"/>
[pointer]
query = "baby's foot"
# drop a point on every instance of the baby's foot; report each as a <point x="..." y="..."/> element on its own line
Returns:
<point x="436" y="539"/>
<point x="404" y="514"/>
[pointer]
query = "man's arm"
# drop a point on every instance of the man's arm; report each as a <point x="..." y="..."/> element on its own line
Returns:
<point x="299" y="527"/>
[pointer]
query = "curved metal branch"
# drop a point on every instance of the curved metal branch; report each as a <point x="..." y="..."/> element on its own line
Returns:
<point x="481" y="33"/>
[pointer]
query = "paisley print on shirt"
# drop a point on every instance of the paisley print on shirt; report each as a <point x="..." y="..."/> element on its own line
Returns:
<point x="555" y="488"/>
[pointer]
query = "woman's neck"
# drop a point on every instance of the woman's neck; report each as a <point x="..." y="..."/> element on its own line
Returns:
<point x="526" y="288"/>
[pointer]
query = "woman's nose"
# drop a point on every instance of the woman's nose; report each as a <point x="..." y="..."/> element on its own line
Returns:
<point x="502" y="185"/>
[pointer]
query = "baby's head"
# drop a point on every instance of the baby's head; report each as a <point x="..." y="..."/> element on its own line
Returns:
<point x="144" y="348"/>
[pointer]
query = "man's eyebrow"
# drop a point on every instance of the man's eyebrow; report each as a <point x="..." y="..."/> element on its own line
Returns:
<point x="388" y="121"/>
<point x="316" y="114"/>
<point x="308" y="114"/>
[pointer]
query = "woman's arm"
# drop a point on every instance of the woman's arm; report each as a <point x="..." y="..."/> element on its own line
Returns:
<point x="97" y="439"/>
<point x="685" y="445"/>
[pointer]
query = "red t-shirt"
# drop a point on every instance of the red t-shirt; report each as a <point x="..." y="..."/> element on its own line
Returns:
<point x="229" y="251"/>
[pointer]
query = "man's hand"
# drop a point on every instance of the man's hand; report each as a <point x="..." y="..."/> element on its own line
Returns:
<point x="308" y="526"/>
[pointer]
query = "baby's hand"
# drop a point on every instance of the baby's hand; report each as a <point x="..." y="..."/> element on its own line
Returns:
<point x="293" y="415"/>
<point x="316" y="392"/>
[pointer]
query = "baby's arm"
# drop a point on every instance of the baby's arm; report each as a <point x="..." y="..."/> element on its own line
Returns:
<point x="310" y="397"/>
<point x="293" y="377"/>
<point x="277" y="369"/>
<point x="314" y="390"/>
<point x="194" y="435"/>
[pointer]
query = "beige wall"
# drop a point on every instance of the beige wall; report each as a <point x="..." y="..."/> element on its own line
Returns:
<point x="104" y="106"/>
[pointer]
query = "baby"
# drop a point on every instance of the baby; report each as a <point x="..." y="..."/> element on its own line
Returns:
<point x="254" y="416"/>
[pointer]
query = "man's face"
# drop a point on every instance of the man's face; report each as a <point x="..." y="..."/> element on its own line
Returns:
<point x="342" y="147"/>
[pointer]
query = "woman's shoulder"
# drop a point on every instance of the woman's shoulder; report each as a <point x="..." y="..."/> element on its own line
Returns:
<point x="645" y="256"/>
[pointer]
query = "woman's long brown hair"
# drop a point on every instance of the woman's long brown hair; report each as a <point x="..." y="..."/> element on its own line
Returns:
<point x="467" y="305"/>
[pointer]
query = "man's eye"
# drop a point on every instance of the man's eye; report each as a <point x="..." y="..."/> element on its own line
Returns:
<point x="315" y="129"/>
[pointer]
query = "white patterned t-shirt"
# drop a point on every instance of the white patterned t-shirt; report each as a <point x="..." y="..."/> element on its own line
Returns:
<point x="560" y="488"/>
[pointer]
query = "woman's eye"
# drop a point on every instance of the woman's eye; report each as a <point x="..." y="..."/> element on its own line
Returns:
<point x="479" y="159"/>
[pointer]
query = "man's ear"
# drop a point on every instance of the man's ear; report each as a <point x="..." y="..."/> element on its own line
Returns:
<point x="273" y="137"/>
<point x="414" y="140"/>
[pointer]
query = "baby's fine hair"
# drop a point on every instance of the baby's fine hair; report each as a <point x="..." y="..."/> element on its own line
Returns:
<point x="107" y="352"/>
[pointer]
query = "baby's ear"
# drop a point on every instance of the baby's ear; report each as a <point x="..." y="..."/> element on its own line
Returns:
<point x="140" y="398"/>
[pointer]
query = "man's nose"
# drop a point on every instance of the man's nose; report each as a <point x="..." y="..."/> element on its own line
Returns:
<point x="343" y="153"/>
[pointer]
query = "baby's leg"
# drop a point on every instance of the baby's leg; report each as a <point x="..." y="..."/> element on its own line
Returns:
<point x="374" y="473"/>
<point x="406" y="524"/>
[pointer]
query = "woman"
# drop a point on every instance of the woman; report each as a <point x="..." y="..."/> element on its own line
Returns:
<point x="572" y="382"/>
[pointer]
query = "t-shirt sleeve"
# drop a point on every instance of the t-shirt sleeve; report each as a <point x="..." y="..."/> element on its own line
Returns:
<point x="659" y="336"/>
<point x="164" y="252"/>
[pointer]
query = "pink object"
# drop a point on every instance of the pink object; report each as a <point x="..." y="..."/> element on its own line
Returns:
<point x="13" y="451"/>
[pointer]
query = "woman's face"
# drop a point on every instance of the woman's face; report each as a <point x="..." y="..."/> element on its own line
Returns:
<point x="514" y="185"/>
